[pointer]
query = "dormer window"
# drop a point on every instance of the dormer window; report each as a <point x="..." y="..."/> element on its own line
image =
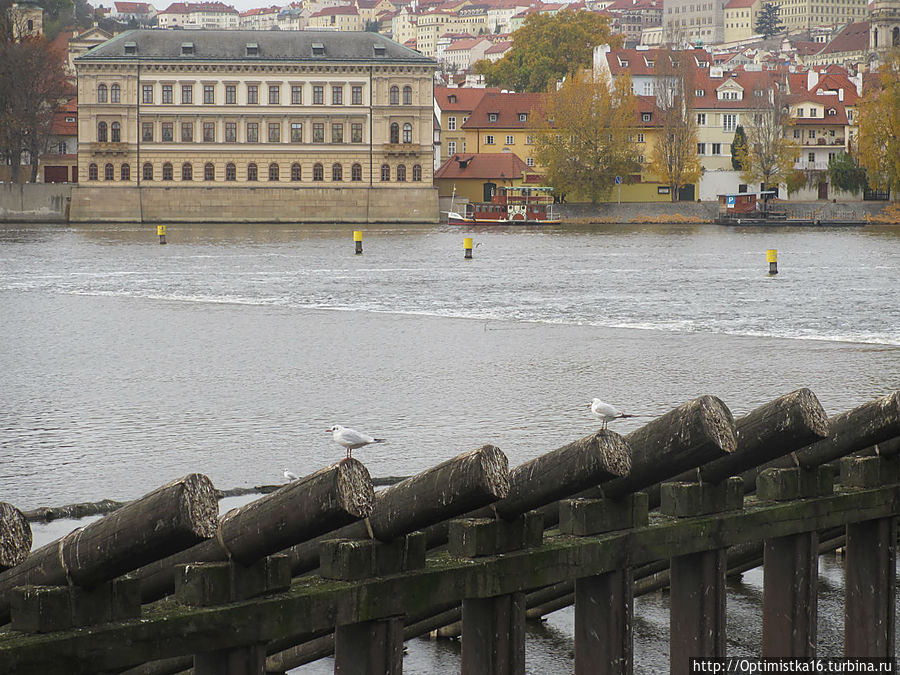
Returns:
<point x="451" y="98"/>
<point x="130" y="48"/>
<point x="650" y="63"/>
<point x="493" y="117"/>
<point x="699" y="93"/>
<point x="523" y="117"/>
<point x="800" y="112"/>
<point x="252" y="49"/>
<point x="187" y="48"/>
<point x="318" y="49"/>
<point x="645" y="117"/>
<point x="379" y="50"/>
<point x="812" y="112"/>
<point x="832" y="112"/>
<point x="623" y="63"/>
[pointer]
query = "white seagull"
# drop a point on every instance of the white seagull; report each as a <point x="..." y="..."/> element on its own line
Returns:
<point x="351" y="438"/>
<point x="290" y="475"/>
<point x="605" y="411"/>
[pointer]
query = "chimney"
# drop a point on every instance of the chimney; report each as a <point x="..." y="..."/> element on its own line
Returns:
<point x="841" y="94"/>
<point x="812" y="78"/>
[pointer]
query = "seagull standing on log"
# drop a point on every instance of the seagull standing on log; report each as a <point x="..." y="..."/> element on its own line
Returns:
<point x="351" y="439"/>
<point x="605" y="411"/>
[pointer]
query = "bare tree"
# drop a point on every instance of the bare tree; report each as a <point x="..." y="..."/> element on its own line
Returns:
<point x="768" y="156"/>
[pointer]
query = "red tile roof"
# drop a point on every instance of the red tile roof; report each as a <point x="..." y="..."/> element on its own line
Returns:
<point x="466" y="98"/>
<point x="853" y="38"/>
<point x="740" y="4"/>
<point x="335" y="11"/>
<point x="133" y="8"/>
<point x="482" y="165"/>
<point x="508" y="108"/>
<point x="188" y="7"/>
<point x="499" y="47"/>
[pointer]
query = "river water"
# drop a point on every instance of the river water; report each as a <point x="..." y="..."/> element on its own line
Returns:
<point x="230" y="350"/>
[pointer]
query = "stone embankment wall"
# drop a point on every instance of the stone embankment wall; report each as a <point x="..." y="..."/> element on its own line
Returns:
<point x="34" y="202"/>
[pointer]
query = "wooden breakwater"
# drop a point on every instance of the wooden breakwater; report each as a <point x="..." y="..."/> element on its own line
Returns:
<point x="326" y="565"/>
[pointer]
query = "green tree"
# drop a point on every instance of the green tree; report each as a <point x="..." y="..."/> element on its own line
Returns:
<point x="879" y="127"/>
<point x="547" y="48"/>
<point x="738" y="147"/>
<point x="845" y="174"/>
<point x="768" y="23"/>
<point x="584" y="139"/>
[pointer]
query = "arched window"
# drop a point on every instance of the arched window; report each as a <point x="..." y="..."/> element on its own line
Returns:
<point x="273" y="171"/>
<point x="295" y="172"/>
<point x="148" y="171"/>
<point x="895" y="37"/>
<point x="125" y="172"/>
<point x="407" y="133"/>
<point x="115" y="94"/>
<point x="115" y="132"/>
<point x="337" y="173"/>
<point x="167" y="171"/>
<point x="230" y="172"/>
<point x="417" y="173"/>
<point x="385" y="172"/>
<point x="407" y="95"/>
<point x="318" y="172"/>
<point x="209" y="172"/>
<point x="395" y="133"/>
<point x="109" y="173"/>
<point x="395" y="95"/>
<point x="187" y="172"/>
<point x="101" y="94"/>
<point x="401" y="172"/>
<point x="101" y="132"/>
<point x="92" y="172"/>
<point x="252" y="172"/>
<point x="356" y="173"/>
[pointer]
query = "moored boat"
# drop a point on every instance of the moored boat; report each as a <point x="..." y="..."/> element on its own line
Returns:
<point x="509" y="206"/>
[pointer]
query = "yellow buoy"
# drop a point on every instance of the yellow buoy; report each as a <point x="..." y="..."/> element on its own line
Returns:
<point x="772" y="259"/>
<point x="357" y="237"/>
<point x="161" y="231"/>
<point x="467" y="245"/>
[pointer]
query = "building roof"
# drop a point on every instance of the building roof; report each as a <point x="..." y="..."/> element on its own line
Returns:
<point x="740" y="4"/>
<point x="499" y="47"/>
<point x="480" y="166"/>
<point x="461" y="99"/>
<point x="60" y="126"/>
<point x="507" y="108"/>
<point x="464" y="45"/>
<point x="334" y="11"/>
<point x="853" y="38"/>
<point x="230" y="45"/>
<point x="133" y="8"/>
<point x="188" y="7"/>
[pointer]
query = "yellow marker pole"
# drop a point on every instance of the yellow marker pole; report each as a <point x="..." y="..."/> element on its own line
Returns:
<point x="467" y="245"/>
<point x="357" y="237"/>
<point x="161" y="231"/>
<point x="772" y="259"/>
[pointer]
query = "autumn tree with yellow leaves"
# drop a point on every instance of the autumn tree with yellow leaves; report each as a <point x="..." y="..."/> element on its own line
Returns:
<point x="879" y="127"/>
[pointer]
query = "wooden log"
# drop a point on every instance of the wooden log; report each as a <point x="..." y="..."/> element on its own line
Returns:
<point x="852" y="431"/>
<point x="772" y="430"/>
<point x="172" y="517"/>
<point x="301" y="510"/>
<point x="452" y="488"/>
<point x="15" y="536"/>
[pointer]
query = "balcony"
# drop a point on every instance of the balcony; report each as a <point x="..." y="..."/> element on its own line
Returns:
<point x="108" y="148"/>
<point x="402" y="149"/>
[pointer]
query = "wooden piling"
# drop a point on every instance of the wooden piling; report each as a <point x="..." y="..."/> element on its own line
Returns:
<point x="604" y="612"/>
<point x="493" y="638"/>
<point x="369" y="648"/>
<point x="15" y="536"/>
<point x="869" y="611"/>
<point x="790" y="595"/>
<point x="697" y="608"/>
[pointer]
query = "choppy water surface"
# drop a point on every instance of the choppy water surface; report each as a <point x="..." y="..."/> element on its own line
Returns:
<point x="230" y="350"/>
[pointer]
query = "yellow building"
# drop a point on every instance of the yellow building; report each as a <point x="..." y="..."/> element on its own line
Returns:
<point x="740" y="19"/>
<point x="248" y="109"/>
<point x="344" y="18"/>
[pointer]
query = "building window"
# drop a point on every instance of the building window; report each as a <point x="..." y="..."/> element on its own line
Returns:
<point x="296" y="132"/>
<point x="812" y="112"/>
<point x="318" y="94"/>
<point x="252" y="172"/>
<point x="209" y="94"/>
<point x="109" y="173"/>
<point x="115" y="134"/>
<point x="385" y="172"/>
<point x="209" y="132"/>
<point x="356" y="132"/>
<point x="101" y="93"/>
<point x="356" y="173"/>
<point x="115" y="94"/>
<point x="701" y="119"/>
<point x="318" y="132"/>
<point x="812" y="157"/>
<point x="253" y="132"/>
<point x="187" y="93"/>
<point x="701" y="148"/>
<point x="337" y="95"/>
<point x="417" y="173"/>
<point x="101" y="132"/>
<point x="296" y="172"/>
<point x="167" y="96"/>
<point x="401" y="172"/>
<point x="167" y="133"/>
<point x="275" y="132"/>
<point x="645" y="117"/>
<point x="187" y="132"/>
<point x="717" y="148"/>
<point x="493" y="117"/>
<point x="147" y="96"/>
<point x="337" y="173"/>
<point x="800" y="112"/>
<point x="296" y="94"/>
<point x="318" y="173"/>
<point x="510" y="140"/>
<point x="92" y="172"/>
<point x="230" y="94"/>
<point x="125" y="172"/>
<point x="451" y="148"/>
<point x="273" y="172"/>
<point x="231" y="132"/>
<point x="274" y="94"/>
<point x="489" y="139"/>
<point x="148" y="171"/>
<point x="187" y="172"/>
<point x="394" y="97"/>
<point x="729" y="122"/>
<point x="407" y="133"/>
<point x="252" y="94"/>
<point x="407" y="95"/>
<point x="523" y="117"/>
<point x="451" y="124"/>
<point x="529" y="161"/>
<point x="337" y="133"/>
<point x="167" y="171"/>
<point x="147" y="132"/>
<point x="230" y="172"/>
<point x="356" y="95"/>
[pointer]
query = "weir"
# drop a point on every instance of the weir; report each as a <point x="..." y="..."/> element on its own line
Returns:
<point x="326" y="565"/>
